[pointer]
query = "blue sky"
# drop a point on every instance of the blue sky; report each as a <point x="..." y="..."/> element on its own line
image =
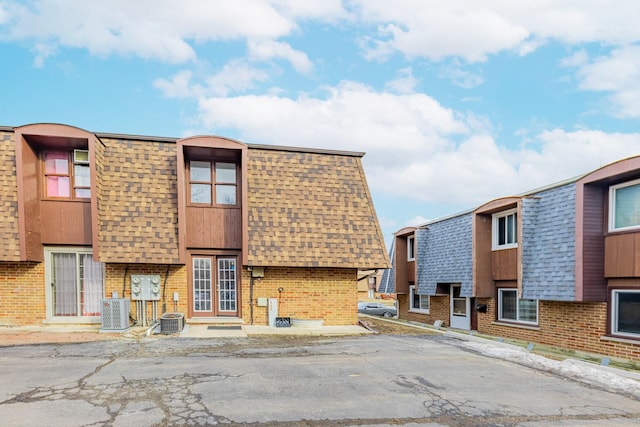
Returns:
<point x="454" y="102"/>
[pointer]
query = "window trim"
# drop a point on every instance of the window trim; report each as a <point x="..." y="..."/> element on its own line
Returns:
<point x="517" y="319"/>
<point x="494" y="229"/>
<point x="411" y="248"/>
<point x="614" y="313"/>
<point x="212" y="183"/>
<point x="51" y="318"/>
<point x="412" y="293"/>
<point x="612" y="206"/>
<point x="71" y="174"/>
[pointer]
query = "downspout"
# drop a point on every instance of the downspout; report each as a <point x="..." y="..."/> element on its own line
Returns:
<point x="124" y="280"/>
<point x="251" y="296"/>
<point x="164" y="291"/>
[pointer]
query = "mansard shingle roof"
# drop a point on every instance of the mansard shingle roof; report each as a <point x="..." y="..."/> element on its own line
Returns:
<point x="311" y="209"/>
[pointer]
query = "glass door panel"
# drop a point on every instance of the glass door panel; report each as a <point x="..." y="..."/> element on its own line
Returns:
<point x="202" y="285"/>
<point x="227" y="300"/>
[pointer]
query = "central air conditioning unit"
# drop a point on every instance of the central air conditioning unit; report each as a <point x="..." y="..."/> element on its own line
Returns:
<point x="115" y="314"/>
<point x="171" y="322"/>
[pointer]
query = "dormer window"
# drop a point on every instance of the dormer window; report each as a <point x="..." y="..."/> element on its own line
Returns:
<point x="67" y="174"/>
<point x="411" y="248"/>
<point x="505" y="230"/>
<point x="212" y="183"/>
<point x="624" y="206"/>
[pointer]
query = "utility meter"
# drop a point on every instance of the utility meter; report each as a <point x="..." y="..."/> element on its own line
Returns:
<point x="145" y="287"/>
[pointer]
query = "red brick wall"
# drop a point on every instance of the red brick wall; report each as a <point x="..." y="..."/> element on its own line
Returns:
<point x="22" y="300"/>
<point x="176" y="282"/>
<point x="438" y="310"/>
<point x="570" y="325"/>
<point x="308" y="294"/>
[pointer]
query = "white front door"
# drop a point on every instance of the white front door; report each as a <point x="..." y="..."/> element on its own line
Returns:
<point x="460" y="309"/>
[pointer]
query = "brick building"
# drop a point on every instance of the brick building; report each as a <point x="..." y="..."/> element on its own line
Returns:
<point x="210" y="227"/>
<point x="558" y="265"/>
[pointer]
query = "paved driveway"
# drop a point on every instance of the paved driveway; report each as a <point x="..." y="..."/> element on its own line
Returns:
<point x="304" y="381"/>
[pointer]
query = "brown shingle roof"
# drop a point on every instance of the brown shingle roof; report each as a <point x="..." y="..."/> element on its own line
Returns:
<point x="311" y="209"/>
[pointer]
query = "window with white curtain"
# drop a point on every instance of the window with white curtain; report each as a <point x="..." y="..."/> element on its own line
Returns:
<point x="76" y="281"/>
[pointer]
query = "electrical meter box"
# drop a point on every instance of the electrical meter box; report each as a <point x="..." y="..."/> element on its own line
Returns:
<point x="145" y="287"/>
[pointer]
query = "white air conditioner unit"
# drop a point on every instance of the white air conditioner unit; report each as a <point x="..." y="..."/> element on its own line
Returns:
<point x="115" y="314"/>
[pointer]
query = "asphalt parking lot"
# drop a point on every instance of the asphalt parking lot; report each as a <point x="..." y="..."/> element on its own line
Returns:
<point x="373" y="380"/>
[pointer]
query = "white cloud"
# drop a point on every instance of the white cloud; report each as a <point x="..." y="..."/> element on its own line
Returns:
<point x="576" y="59"/>
<point x="150" y="29"/>
<point x="472" y="30"/>
<point x="459" y="76"/>
<point x="618" y="74"/>
<point x="179" y="86"/>
<point x="42" y="52"/>
<point x="264" y="50"/>
<point x="416" y="148"/>
<point x="236" y="76"/>
<point x="405" y="82"/>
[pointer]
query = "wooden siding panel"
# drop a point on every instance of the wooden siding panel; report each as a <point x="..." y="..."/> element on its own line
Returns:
<point x="483" y="279"/>
<point x="402" y="268"/>
<point x="214" y="228"/>
<point x="65" y="223"/>
<point x="593" y="252"/>
<point x="504" y="264"/>
<point x="621" y="255"/>
<point x="411" y="271"/>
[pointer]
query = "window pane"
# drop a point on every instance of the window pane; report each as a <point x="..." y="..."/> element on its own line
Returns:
<point x="501" y="231"/>
<point x="200" y="171"/>
<point x="56" y="163"/>
<point x="511" y="228"/>
<point x="83" y="193"/>
<point x="58" y="186"/>
<point x="81" y="176"/>
<point x="415" y="301"/>
<point x="411" y="251"/>
<point x="628" y="312"/>
<point x="65" y="287"/>
<point x="627" y="206"/>
<point x="202" y="284"/>
<point x="508" y="308"/>
<point x="528" y="310"/>
<point x="459" y="306"/>
<point x="226" y="194"/>
<point x="201" y="193"/>
<point x="91" y="285"/>
<point x="424" y="302"/>
<point x="81" y="156"/>
<point x="226" y="172"/>
<point x="226" y="284"/>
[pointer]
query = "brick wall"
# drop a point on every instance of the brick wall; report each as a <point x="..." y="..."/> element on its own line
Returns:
<point x="308" y="294"/>
<point x="574" y="326"/>
<point x="438" y="310"/>
<point x="176" y="281"/>
<point x="22" y="290"/>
